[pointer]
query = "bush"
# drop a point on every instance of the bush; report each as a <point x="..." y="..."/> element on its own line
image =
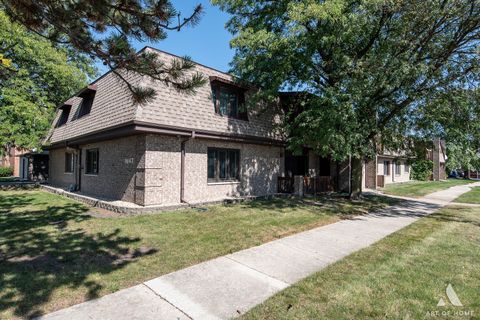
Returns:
<point x="6" y="172"/>
<point x="422" y="170"/>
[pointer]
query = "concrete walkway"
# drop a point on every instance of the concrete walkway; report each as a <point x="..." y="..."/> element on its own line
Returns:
<point x="228" y="286"/>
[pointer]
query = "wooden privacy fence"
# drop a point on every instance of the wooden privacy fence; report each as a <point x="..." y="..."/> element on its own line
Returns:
<point x="285" y="185"/>
<point x="380" y="181"/>
<point x="318" y="184"/>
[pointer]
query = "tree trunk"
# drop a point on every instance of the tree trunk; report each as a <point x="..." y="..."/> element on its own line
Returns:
<point x="356" y="178"/>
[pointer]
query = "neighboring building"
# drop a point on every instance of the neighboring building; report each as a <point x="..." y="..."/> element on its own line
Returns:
<point x="387" y="167"/>
<point x="14" y="160"/>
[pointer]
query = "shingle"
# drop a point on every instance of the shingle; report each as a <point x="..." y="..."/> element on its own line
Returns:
<point x="113" y="106"/>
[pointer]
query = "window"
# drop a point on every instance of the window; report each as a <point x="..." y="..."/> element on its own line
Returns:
<point x="92" y="161"/>
<point x="386" y="168"/>
<point x="229" y="101"/>
<point x="398" y="168"/>
<point x="86" y="105"/>
<point x="223" y="164"/>
<point x="65" y="109"/>
<point x="69" y="162"/>
<point x="407" y="168"/>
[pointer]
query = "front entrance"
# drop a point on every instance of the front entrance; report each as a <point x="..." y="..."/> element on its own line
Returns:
<point x="24" y="168"/>
<point x="296" y="165"/>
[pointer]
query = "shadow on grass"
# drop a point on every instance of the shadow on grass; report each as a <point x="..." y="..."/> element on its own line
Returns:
<point x="39" y="252"/>
<point x="325" y="204"/>
<point x="461" y="215"/>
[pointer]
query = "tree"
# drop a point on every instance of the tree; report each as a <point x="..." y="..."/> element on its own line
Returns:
<point x="103" y="30"/>
<point x="454" y="116"/>
<point x="369" y="65"/>
<point x="39" y="78"/>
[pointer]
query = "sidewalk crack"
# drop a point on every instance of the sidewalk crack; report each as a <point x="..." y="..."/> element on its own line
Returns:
<point x="158" y="295"/>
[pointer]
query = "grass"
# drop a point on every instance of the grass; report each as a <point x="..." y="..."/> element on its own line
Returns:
<point x="400" y="277"/>
<point x="54" y="254"/>
<point x="418" y="189"/>
<point x="472" y="196"/>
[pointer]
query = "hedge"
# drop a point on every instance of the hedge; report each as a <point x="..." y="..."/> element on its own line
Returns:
<point x="422" y="170"/>
<point x="6" y="172"/>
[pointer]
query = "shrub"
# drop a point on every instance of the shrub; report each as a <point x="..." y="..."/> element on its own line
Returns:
<point x="422" y="170"/>
<point x="6" y="172"/>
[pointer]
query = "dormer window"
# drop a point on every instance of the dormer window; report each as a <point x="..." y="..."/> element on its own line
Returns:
<point x="65" y="112"/>
<point x="87" y="95"/>
<point x="229" y="100"/>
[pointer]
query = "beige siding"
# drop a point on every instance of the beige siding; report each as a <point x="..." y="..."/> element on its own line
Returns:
<point x="393" y="177"/>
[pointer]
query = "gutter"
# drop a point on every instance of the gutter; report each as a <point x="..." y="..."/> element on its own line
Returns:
<point x="138" y="127"/>
<point x="182" y="166"/>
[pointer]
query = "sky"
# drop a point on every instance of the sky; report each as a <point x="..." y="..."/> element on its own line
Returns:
<point x="206" y="43"/>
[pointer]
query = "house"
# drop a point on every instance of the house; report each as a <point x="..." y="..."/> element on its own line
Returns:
<point x="176" y="148"/>
<point x="387" y="167"/>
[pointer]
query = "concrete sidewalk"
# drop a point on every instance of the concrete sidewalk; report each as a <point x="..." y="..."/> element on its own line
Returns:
<point x="228" y="286"/>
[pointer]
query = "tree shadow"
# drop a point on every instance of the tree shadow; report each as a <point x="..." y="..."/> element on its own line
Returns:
<point x="40" y="252"/>
<point x="462" y="215"/>
<point x="332" y="204"/>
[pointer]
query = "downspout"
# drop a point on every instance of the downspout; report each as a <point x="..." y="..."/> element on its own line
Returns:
<point x="182" y="167"/>
<point x="79" y="169"/>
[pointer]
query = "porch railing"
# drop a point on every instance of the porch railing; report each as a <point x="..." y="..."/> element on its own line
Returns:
<point x="285" y="185"/>
<point x="318" y="184"/>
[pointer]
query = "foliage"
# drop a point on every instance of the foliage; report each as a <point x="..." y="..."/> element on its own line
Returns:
<point x="369" y="66"/>
<point x="40" y="77"/>
<point x="6" y="172"/>
<point x="422" y="169"/>
<point x="453" y="116"/>
<point x="104" y="29"/>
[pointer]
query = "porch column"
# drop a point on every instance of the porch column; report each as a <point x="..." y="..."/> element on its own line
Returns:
<point x="298" y="185"/>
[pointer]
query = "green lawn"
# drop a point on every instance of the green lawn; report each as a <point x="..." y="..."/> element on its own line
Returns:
<point x="401" y="277"/>
<point x="470" y="197"/>
<point x="418" y="189"/>
<point x="53" y="254"/>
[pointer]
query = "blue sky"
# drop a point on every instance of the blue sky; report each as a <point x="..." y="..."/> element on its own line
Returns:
<point x="207" y="43"/>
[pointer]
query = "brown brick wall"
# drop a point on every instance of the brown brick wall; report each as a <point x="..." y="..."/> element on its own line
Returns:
<point x="57" y="176"/>
<point x="145" y="169"/>
<point x="121" y="163"/>
<point x="371" y="174"/>
<point x="259" y="167"/>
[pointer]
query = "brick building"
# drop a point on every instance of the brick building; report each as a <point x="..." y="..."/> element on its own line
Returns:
<point x="176" y="148"/>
